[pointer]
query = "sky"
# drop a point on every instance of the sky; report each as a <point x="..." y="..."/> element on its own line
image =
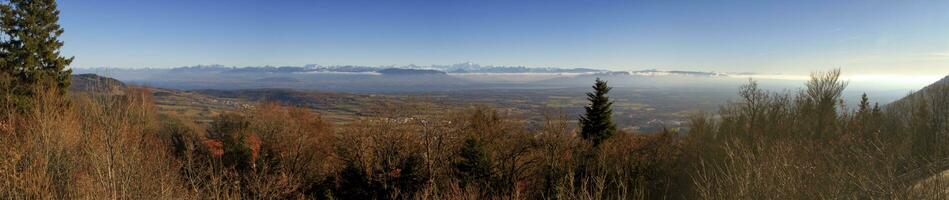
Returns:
<point x="782" y="37"/>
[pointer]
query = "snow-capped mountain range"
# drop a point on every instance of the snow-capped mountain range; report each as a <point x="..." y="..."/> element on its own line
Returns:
<point x="460" y="68"/>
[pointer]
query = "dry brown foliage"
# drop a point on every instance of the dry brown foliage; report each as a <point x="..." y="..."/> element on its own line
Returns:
<point x="766" y="146"/>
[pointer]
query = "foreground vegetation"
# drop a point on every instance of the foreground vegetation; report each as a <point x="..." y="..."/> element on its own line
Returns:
<point x="767" y="145"/>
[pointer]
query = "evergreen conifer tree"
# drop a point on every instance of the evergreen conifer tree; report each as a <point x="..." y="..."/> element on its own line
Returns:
<point x="597" y="124"/>
<point x="864" y="106"/>
<point x="474" y="166"/>
<point x="30" y="47"/>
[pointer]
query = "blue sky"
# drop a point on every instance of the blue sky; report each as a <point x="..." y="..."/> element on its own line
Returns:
<point x="790" y="37"/>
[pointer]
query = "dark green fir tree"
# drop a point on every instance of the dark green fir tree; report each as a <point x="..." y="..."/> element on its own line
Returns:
<point x="597" y="124"/>
<point x="474" y="166"/>
<point x="30" y="47"/>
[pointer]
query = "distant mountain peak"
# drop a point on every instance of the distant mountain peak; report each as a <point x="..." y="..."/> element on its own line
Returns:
<point x="401" y="71"/>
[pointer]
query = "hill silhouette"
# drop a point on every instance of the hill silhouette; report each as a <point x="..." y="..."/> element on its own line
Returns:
<point x="96" y="83"/>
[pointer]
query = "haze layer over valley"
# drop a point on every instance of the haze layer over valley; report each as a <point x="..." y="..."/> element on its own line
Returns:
<point x="469" y="76"/>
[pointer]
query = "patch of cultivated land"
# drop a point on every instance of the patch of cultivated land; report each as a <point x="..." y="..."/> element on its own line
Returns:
<point x="634" y="108"/>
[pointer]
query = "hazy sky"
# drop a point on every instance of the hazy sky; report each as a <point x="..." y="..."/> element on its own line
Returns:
<point x="791" y="37"/>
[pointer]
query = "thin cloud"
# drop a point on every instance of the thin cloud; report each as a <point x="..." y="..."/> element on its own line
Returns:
<point x="938" y="55"/>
